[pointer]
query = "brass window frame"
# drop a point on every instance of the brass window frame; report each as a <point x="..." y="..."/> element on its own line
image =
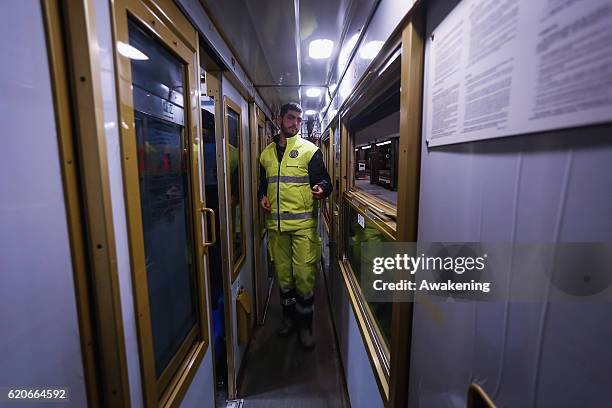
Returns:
<point x="411" y="108"/>
<point x="378" y="351"/>
<point x="364" y="209"/>
<point x="326" y="207"/>
<point x="376" y="88"/>
<point x="337" y="190"/>
<point x="236" y="264"/>
<point x="164" y="22"/>
<point x="408" y="38"/>
<point x="366" y="330"/>
<point x="477" y="397"/>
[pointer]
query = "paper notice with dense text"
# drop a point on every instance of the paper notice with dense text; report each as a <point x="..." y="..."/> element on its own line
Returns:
<point x="501" y="68"/>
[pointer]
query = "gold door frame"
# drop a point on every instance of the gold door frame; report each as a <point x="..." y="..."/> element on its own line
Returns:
<point x="73" y="64"/>
<point x="214" y="86"/>
<point x="167" y="25"/>
<point x="256" y="120"/>
<point x="213" y="90"/>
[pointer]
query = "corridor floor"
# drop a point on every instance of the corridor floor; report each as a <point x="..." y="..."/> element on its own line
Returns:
<point x="279" y="373"/>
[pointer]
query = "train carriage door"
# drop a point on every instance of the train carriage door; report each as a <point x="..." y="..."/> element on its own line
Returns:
<point x="263" y="280"/>
<point x="158" y="78"/>
<point x="237" y="213"/>
<point x="211" y="110"/>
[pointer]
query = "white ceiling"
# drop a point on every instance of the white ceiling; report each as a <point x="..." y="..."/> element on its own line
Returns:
<point x="271" y="40"/>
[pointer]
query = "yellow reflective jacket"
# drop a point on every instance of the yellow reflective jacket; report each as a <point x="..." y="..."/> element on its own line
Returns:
<point x="291" y="201"/>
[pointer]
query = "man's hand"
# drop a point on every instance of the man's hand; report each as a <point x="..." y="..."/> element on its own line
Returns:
<point x="265" y="203"/>
<point x="317" y="192"/>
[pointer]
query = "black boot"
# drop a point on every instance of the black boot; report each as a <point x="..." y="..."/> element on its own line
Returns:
<point x="288" y="304"/>
<point x="287" y="324"/>
<point x="305" y="308"/>
<point x="306" y="336"/>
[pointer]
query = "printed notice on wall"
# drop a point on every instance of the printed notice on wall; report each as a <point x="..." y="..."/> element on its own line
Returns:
<point x="498" y="68"/>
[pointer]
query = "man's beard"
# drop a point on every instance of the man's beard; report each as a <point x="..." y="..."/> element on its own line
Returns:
<point x="288" y="133"/>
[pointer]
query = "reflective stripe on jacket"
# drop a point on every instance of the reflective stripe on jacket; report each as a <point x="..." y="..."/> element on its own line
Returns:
<point x="291" y="201"/>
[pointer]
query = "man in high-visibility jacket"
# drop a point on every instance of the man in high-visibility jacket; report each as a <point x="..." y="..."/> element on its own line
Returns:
<point x="292" y="178"/>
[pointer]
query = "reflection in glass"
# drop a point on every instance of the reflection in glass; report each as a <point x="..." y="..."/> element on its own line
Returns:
<point x="164" y="195"/>
<point x="337" y="168"/>
<point x="233" y="138"/>
<point x="357" y="235"/>
<point x="325" y="151"/>
<point x="376" y="140"/>
<point x="261" y="137"/>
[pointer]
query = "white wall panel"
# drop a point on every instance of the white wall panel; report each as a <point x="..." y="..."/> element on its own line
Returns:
<point x="201" y="393"/>
<point x="543" y="187"/>
<point x="40" y="342"/>
<point x="361" y="384"/>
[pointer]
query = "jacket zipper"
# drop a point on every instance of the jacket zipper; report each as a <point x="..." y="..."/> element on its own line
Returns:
<point x="278" y="189"/>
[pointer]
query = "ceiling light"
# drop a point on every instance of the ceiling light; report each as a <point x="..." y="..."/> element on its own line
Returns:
<point x="365" y="147"/>
<point x="320" y="49"/>
<point x="371" y="49"/>
<point x="131" y="52"/>
<point x="383" y="143"/>
<point x="346" y="50"/>
<point x="310" y="112"/>
<point x="345" y="89"/>
<point x="313" y="92"/>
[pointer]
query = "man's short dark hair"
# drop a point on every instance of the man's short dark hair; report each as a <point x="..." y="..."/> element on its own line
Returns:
<point x="290" y="106"/>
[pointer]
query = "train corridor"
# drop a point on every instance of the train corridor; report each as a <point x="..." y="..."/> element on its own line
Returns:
<point x="280" y="373"/>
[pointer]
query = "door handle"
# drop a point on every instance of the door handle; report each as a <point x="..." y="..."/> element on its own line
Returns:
<point x="213" y="230"/>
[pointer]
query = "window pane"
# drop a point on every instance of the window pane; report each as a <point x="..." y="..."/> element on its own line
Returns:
<point x="262" y="145"/>
<point x="375" y="135"/>
<point x="164" y="195"/>
<point x="337" y="168"/>
<point x="357" y="235"/>
<point x="325" y="149"/>
<point x="233" y="137"/>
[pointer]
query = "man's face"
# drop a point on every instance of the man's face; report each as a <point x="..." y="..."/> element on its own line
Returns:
<point x="291" y="122"/>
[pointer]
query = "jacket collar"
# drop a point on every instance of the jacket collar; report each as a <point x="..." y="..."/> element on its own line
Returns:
<point x="291" y="140"/>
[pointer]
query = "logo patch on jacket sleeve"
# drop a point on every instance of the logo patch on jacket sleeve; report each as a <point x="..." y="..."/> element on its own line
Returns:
<point x="293" y="154"/>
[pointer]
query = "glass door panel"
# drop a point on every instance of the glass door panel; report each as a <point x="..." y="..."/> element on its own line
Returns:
<point x="235" y="160"/>
<point x="157" y="90"/>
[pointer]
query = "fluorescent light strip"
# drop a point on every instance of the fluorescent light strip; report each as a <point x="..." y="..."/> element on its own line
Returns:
<point x="320" y="49"/>
<point x="313" y="92"/>
<point x="370" y="50"/>
<point x="383" y="143"/>
<point x="131" y="52"/>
